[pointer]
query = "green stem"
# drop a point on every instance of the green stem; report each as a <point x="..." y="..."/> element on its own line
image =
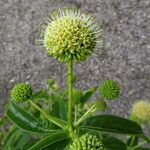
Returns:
<point x="139" y="145"/>
<point x="70" y="99"/>
<point x="53" y="119"/>
<point x="70" y="91"/>
<point x="86" y="115"/>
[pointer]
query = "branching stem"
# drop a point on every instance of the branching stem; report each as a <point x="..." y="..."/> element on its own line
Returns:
<point x="86" y="115"/>
<point x="53" y="119"/>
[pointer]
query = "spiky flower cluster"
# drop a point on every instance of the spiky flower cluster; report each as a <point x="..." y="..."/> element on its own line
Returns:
<point x="141" y="110"/>
<point x="87" y="142"/>
<point x="77" y="96"/>
<point x="71" y="35"/>
<point x="109" y="89"/>
<point x="21" y="92"/>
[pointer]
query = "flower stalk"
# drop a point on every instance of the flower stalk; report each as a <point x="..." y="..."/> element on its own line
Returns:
<point x="87" y="114"/>
<point x="70" y="93"/>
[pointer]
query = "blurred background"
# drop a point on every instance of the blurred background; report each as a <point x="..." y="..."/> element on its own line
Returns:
<point x="125" y="58"/>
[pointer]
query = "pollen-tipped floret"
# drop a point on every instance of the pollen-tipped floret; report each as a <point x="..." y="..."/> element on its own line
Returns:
<point x="87" y="142"/>
<point x="71" y="35"/>
<point x="77" y="96"/>
<point x="21" y="92"/>
<point x="141" y="110"/>
<point x="109" y="89"/>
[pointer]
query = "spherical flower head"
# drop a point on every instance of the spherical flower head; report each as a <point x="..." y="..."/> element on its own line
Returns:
<point x="71" y="35"/>
<point x="87" y="142"/>
<point x="141" y="110"/>
<point x="101" y="105"/>
<point x="21" y="92"/>
<point x="77" y="96"/>
<point x="109" y="89"/>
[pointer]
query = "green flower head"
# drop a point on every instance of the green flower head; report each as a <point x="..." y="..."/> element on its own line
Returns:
<point x="141" y="110"/>
<point x="109" y="89"/>
<point x="101" y="105"/>
<point x="87" y="142"/>
<point x="69" y="34"/>
<point x="21" y="92"/>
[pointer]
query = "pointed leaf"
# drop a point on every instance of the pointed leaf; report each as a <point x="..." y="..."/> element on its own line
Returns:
<point x="50" y="139"/>
<point x="24" y="120"/>
<point x="113" y="124"/>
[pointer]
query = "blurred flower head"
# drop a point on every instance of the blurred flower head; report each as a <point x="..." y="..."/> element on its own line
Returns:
<point x="141" y="110"/>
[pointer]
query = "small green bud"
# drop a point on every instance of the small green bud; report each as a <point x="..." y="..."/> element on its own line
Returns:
<point x="101" y="105"/>
<point x="50" y="82"/>
<point x="87" y="142"/>
<point x="21" y="92"/>
<point x="77" y="96"/>
<point x="141" y="110"/>
<point x="109" y="89"/>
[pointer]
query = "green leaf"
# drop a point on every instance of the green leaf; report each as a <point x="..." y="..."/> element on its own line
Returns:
<point x="111" y="143"/>
<point x="10" y="138"/>
<point x="113" y="124"/>
<point x="50" y="139"/>
<point x="142" y="148"/>
<point x="133" y="141"/>
<point x="59" y="107"/>
<point x="87" y="94"/>
<point x="62" y="145"/>
<point x="25" y="121"/>
<point x="21" y="140"/>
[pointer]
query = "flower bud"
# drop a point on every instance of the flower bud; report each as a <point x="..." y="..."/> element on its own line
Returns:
<point x="109" y="89"/>
<point x="87" y="142"/>
<point x="101" y="105"/>
<point x="21" y="92"/>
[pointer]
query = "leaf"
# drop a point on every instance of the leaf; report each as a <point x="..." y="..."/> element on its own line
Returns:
<point x="50" y="139"/>
<point x="59" y="107"/>
<point x="21" y="140"/>
<point x="133" y="141"/>
<point x="61" y="145"/>
<point x="25" y="121"/>
<point x="111" y="143"/>
<point x="87" y="94"/>
<point x="9" y="140"/>
<point x="142" y="148"/>
<point x="113" y="124"/>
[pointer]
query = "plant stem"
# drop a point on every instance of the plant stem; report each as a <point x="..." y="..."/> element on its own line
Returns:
<point x="86" y="115"/>
<point x="53" y="119"/>
<point x="139" y="145"/>
<point x="70" y="91"/>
